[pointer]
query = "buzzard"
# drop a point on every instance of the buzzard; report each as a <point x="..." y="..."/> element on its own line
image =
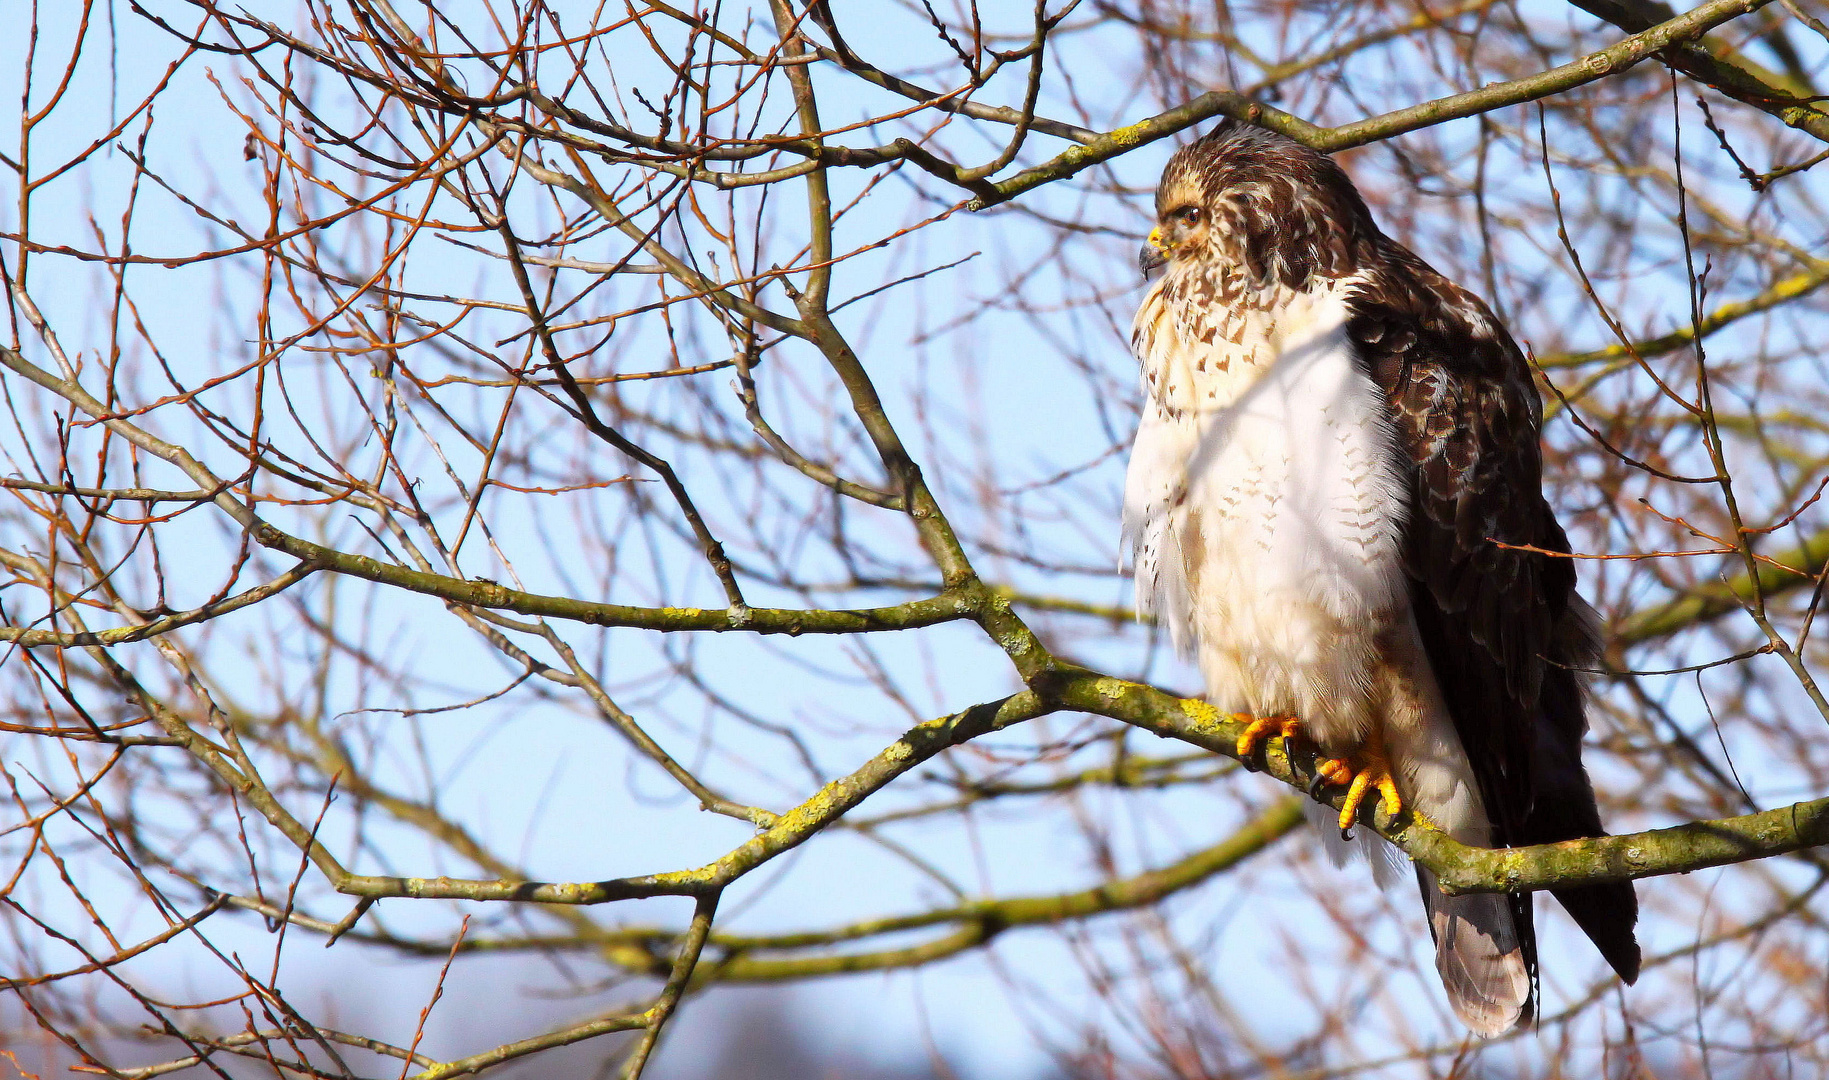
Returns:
<point x="1335" y="504"/>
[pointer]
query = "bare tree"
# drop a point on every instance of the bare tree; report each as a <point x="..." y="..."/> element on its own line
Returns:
<point x="451" y="446"/>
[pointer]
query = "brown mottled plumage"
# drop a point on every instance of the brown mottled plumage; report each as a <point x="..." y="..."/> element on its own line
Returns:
<point x="1330" y="502"/>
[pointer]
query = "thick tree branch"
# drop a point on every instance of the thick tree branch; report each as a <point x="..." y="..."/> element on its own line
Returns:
<point x="1693" y="846"/>
<point x="1722" y="69"/>
<point x="791" y="829"/>
<point x="1613" y="60"/>
<point x="984" y="920"/>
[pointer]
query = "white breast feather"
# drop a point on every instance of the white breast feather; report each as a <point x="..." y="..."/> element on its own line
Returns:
<point x="1264" y="508"/>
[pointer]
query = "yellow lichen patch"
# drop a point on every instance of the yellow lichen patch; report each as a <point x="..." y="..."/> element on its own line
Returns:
<point x="1205" y="717"/>
<point x="1111" y="690"/>
<point x="1132" y="135"/>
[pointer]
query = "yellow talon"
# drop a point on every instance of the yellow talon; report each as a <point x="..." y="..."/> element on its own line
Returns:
<point x="1375" y="775"/>
<point x="1334" y="771"/>
<point x="1287" y="726"/>
<point x="1371" y="773"/>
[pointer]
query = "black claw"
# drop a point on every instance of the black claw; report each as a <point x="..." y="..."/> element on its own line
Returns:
<point x="1315" y="785"/>
<point x="1346" y="835"/>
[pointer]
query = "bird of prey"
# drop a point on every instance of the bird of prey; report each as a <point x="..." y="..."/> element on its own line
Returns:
<point x="1335" y="504"/>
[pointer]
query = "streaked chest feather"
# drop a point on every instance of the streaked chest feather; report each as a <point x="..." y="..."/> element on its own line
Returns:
<point x="1263" y="502"/>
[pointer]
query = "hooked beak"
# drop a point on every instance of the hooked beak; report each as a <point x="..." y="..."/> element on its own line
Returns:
<point x="1154" y="254"/>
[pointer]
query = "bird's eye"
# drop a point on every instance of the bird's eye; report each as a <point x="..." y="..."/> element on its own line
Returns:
<point x="1188" y="215"/>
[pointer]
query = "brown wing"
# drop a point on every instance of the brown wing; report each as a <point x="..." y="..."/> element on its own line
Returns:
<point x="1502" y="625"/>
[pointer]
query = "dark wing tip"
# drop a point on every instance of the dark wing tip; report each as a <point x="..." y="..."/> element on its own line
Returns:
<point x="1607" y="914"/>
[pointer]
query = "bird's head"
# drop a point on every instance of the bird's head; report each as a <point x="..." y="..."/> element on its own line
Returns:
<point x="1181" y="221"/>
<point x="1259" y="201"/>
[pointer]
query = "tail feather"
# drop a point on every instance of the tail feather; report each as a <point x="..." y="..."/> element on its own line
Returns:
<point x="1536" y="792"/>
<point x="1485" y="952"/>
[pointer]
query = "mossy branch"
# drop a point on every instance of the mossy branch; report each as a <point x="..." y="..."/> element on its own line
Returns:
<point x="1612" y="60"/>
<point x="975" y="923"/>
<point x="1722" y="68"/>
<point x="1683" y="848"/>
<point x="790" y="830"/>
<point x="1676" y="850"/>
<point x="981" y="921"/>
<point x="1461" y="868"/>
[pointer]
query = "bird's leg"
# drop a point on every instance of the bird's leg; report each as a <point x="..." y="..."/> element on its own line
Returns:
<point x="1372" y="773"/>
